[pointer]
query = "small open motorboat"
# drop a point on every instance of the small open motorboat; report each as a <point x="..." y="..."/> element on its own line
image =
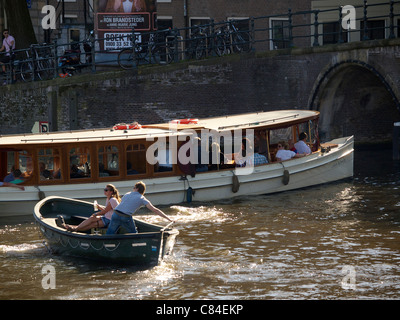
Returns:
<point x="147" y="247"/>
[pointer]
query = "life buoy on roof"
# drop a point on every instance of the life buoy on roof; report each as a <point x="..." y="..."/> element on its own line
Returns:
<point x="127" y="126"/>
<point x="185" y="121"/>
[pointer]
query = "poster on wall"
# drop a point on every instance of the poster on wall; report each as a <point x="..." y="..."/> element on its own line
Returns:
<point x="115" y="20"/>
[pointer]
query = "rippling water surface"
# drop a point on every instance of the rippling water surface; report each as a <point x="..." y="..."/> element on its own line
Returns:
<point x="336" y="241"/>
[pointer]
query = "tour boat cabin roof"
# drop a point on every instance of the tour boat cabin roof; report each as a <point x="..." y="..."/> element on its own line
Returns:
<point x="270" y="120"/>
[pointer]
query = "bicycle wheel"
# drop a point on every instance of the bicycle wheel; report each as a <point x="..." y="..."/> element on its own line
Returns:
<point x="44" y="70"/>
<point x="240" y="44"/>
<point x="127" y="59"/>
<point x="163" y="55"/>
<point x="200" y="49"/>
<point x="26" y="71"/>
<point x="219" y="45"/>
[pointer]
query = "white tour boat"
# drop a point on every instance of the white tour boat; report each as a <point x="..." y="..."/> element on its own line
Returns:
<point x="78" y="164"/>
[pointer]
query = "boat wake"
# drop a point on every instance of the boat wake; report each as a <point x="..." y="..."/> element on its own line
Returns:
<point x="23" y="249"/>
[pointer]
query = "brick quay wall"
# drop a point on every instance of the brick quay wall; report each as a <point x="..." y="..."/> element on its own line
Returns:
<point x="354" y="86"/>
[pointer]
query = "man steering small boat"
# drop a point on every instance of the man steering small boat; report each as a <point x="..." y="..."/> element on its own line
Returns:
<point x="130" y="203"/>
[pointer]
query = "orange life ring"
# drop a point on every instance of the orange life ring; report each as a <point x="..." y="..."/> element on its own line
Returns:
<point x="185" y="121"/>
<point x="125" y="126"/>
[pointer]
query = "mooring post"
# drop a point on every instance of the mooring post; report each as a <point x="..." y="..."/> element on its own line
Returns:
<point x="396" y="141"/>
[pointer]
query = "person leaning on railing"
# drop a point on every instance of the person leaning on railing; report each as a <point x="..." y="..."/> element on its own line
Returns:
<point x="8" y="46"/>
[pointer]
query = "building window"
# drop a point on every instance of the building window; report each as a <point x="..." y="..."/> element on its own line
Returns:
<point x="279" y="34"/>
<point x="164" y="23"/>
<point x="49" y="164"/>
<point x="331" y="33"/>
<point x="195" y="22"/>
<point x="108" y="161"/>
<point x="135" y="159"/>
<point x="375" y="29"/>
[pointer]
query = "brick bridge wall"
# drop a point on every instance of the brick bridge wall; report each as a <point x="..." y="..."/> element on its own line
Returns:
<point x="355" y="86"/>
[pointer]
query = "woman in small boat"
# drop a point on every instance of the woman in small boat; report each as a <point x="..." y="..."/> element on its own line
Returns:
<point x="99" y="219"/>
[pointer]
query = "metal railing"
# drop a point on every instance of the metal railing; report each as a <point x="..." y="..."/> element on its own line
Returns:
<point x="281" y="31"/>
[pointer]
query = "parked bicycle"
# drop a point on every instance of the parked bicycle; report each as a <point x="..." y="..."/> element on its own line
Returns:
<point x="239" y="41"/>
<point x="196" y="45"/>
<point x="155" y="50"/>
<point x="35" y="66"/>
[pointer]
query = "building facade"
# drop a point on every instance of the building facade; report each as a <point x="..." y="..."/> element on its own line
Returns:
<point x="276" y="24"/>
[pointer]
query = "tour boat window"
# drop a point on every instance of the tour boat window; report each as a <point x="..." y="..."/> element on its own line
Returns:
<point x="135" y="159"/>
<point x="18" y="163"/>
<point x="108" y="161"/>
<point x="79" y="162"/>
<point x="163" y="154"/>
<point x="49" y="164"/>
<point x="283" y="134"/>
<point x="311" y="129"/>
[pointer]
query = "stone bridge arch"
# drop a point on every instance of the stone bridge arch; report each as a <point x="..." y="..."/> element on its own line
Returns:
<point x="356" y="98"/>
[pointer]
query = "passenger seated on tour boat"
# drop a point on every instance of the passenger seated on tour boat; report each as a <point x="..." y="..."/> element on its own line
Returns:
<point x="261" y="143"/>
<point x="292" y="147"/>
<point x="200" y="167"/>
<point x="285" y="154"/>
<point x="75" y="172"/>
<point x="10" y="177"/>
<point x="247" y="158"/>
<point x="301" y="145"/>
<point x="17" y="177"/>
<point x="8" y="184"/>
<point x="214" y="162"/>
<point x="99" y="219"/>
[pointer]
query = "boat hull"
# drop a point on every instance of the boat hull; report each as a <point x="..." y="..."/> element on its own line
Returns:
<point x="315" y="169"/>
<point x="145" y="248"/>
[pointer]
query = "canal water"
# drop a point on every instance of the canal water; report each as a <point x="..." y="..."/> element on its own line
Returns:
<point x="336" y="241"/>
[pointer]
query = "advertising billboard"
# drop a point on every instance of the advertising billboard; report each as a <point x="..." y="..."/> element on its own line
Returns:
<point x="116" y="18"/>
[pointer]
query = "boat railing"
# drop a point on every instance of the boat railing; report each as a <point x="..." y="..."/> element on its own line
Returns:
<point x="250" y="124"/>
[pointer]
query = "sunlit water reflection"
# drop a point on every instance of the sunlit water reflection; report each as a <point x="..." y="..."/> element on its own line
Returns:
<point x="292" y="245"/>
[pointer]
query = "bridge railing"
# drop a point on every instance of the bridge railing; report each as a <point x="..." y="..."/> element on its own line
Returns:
<point x="316" y="27"/>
